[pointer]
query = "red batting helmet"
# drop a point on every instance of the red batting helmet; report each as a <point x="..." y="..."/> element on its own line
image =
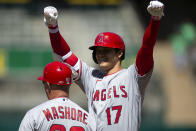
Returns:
<point x="57" y="73"/>
<point x="110" y="40"/>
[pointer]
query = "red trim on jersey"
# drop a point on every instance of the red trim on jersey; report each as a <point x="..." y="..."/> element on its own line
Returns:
<point x="114" y="72"/>
<point x="72" y="60"/>
<point x="51" y="27"/>
<point x="144" y="59"/>
<point x="66" y="97"/>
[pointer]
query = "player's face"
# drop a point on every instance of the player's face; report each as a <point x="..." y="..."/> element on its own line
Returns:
<point x="107" y="57"/>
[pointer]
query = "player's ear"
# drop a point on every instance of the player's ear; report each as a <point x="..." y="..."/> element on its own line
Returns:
<point x="49" y="87"/>
<point x="120" y="54"/>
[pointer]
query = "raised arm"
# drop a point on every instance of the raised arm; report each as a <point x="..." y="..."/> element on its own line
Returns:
<point x="59" y="45"/>
<point x="144" y="59"/>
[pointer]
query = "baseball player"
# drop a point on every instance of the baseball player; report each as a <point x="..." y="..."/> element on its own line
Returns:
<point x="114" y="94"/>
<point x="59" y="112"/>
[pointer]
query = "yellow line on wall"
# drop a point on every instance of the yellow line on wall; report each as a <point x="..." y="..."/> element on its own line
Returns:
<point x="14" y="1"/>
<point x="2" y="62"/>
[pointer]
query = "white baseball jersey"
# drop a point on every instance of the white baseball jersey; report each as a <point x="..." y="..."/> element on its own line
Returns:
<point x="114" y="100"/>
<point x="57" y="114"/>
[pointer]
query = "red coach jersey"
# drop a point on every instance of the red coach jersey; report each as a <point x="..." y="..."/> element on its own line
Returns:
<point x="57" y="114"/>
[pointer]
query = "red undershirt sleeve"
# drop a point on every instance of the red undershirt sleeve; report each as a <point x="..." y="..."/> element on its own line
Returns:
<point x="60" y="46"/>
<point x="144" y="58"/>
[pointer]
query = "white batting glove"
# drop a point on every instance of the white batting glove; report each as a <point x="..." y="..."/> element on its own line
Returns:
<point x="50" y="16"/>
<point x="155" y="8"/>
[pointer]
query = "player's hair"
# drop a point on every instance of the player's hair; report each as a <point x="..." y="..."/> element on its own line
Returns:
<point x="59" y="87"/>
<point x="56" y="87"/>
<point x="116" y="50"/>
